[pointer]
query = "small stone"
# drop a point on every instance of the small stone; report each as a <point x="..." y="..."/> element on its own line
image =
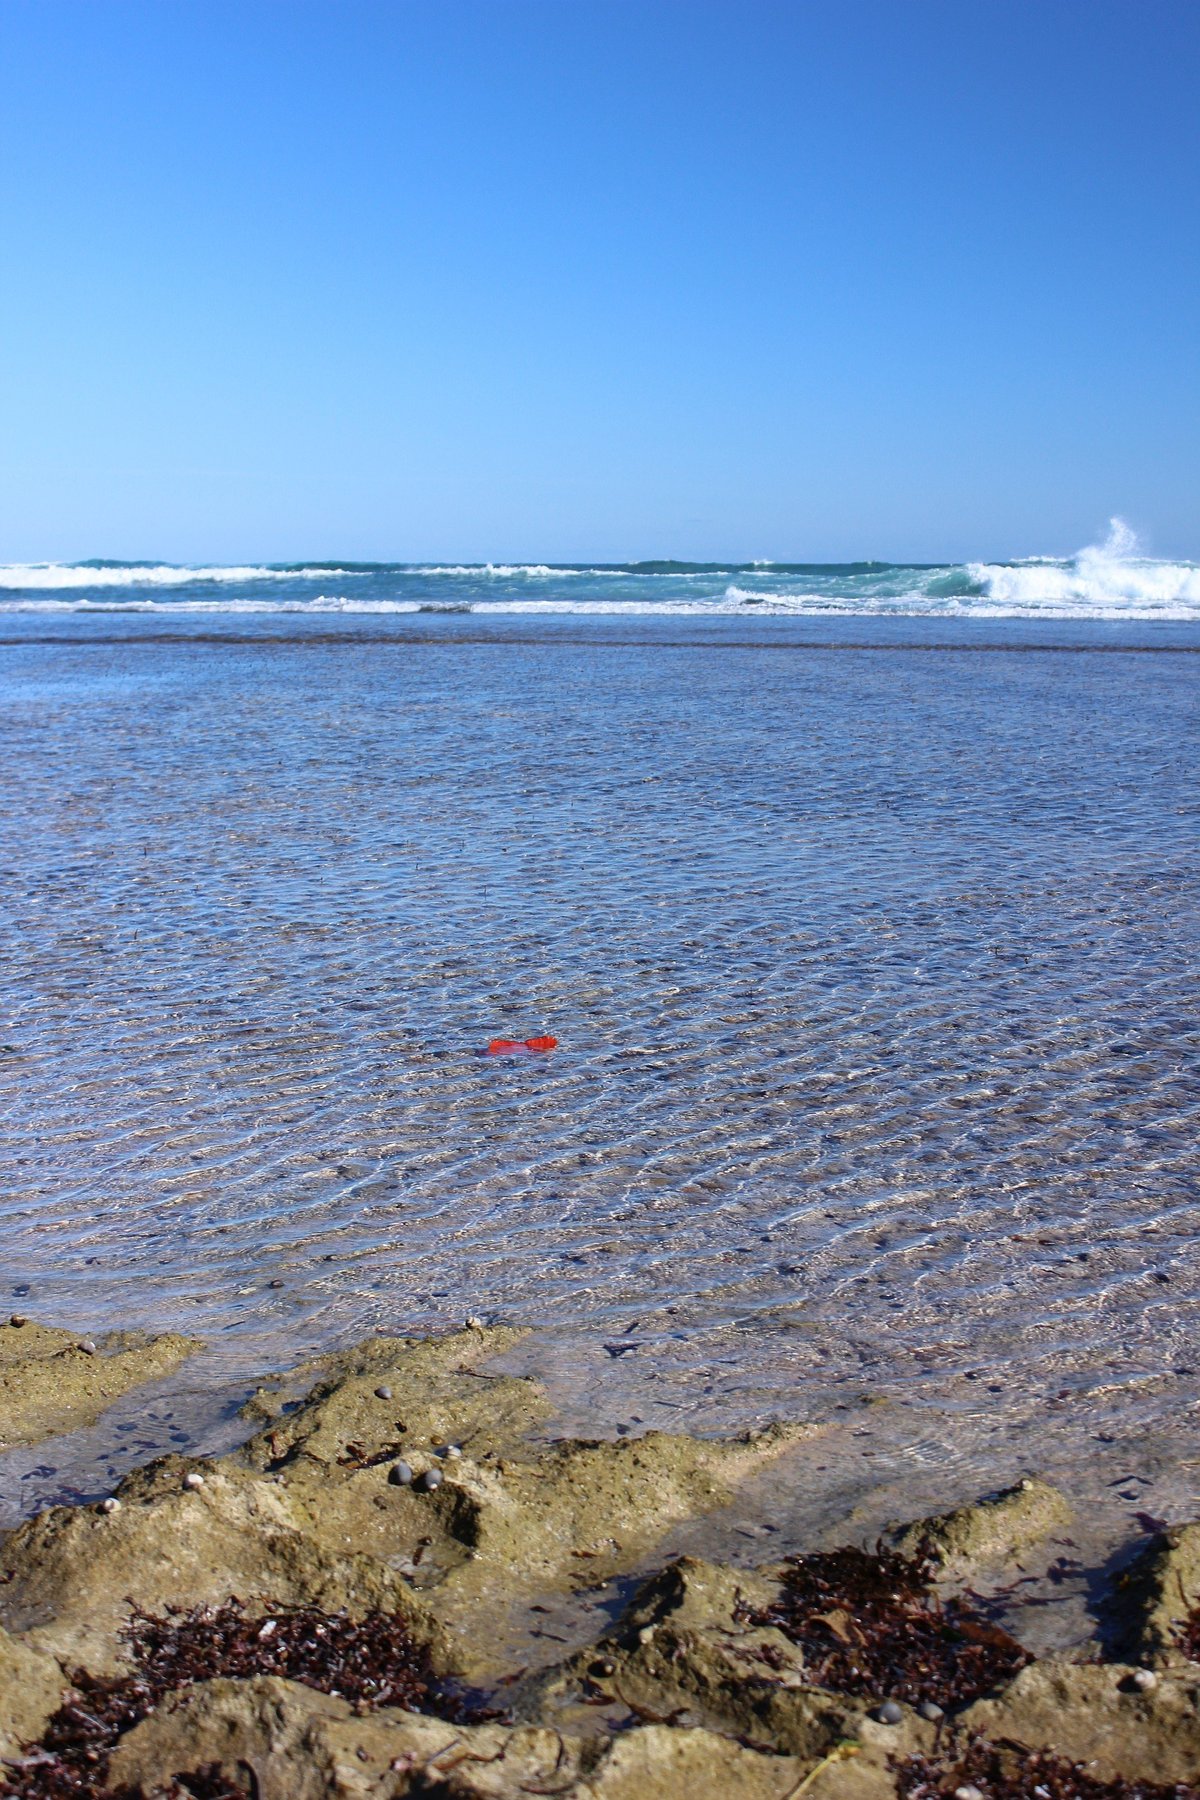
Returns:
<point x="18" y="1319"/>
<point x="432" y="1478"/>
<point x="889" y="1713"/>
<point x="193" y="1480"/>
<point x="968" y="1791"/>
<point x="274" y="1284"/>
<point x="87" y="1346"/>
<point x="929" y="1709"/>
<point x="646" y="1634"/>
<point x="400" y="1475"/>
<point x="383" y="1393"/>
<point x="1145" y="1680"/>
<point x="474" y="1322"/>
<point x="110" y="1505"/>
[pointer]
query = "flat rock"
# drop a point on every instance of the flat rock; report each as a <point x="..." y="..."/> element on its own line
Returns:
<point x="49" y="1385"/>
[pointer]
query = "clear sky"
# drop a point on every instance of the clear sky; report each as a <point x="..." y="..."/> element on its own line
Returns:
<point x="576" y="279"/>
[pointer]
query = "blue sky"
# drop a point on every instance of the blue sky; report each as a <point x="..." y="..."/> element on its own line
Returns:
<point x="565" y="279"/>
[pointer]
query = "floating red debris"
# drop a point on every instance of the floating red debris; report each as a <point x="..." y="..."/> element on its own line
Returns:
<point x="509" y="1046"/>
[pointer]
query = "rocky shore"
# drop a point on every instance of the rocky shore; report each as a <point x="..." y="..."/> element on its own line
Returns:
<point x="358" y="1601"/>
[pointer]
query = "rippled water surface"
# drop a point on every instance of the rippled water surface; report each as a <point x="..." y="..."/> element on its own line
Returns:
<point x="873" y="966"/>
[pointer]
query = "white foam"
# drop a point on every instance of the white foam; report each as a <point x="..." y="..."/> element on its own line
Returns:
<point x="63" y="576"/>
<point x="1109" y="579"/>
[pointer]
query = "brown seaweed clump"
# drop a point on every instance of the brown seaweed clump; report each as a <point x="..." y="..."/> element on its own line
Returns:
<point x="873" y="1624"/>
<point x="1009" y="1772"/>
<point x="1189" y="1635"/>
<point x="370" y="1661"/>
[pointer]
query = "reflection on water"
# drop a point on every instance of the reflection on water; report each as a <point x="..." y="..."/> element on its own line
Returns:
<point x="873" y="972"/>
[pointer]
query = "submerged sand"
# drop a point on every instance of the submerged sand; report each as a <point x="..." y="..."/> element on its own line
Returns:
<point x="406" y="1477"/>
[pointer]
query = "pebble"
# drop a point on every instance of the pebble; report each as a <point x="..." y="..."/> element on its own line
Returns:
<point x="432" y="1478"/>
<point x="18" y="1319"/>
<point x="929" y="1709"/>
<point x="968" y="1791"/>
<point x="383" y="1393"/>
<point x="110" y="1505"/>
<point x="1145" y="1680"/>
<point x="193" y="1480"/>
<point x="274" y="1284"/>
<point x="889" y="1713"/>
<point x="87" y="1346"/>
<point x="400" y="1475"/>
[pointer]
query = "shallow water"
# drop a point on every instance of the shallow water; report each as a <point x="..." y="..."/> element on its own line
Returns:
<point x="872" y="954"/>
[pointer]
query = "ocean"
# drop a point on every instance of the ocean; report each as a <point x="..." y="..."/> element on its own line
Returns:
<point x="863" y="902"/>
<point x="1110" y="581"/>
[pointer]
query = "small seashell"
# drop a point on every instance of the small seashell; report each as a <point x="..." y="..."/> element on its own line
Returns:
<point x="968" y="1791"/>
<point x="110" y="1505"/>
<point x="383" y="1393"/>
<point x="453" y="1452"/>
<point x="87" y="1346"/>
<point x="400" y="1475"/>
<point x="267" y="1629"/>
<point x="889" y="1713"/>
<point x="929" y="1709"/>
<point x="1145" y="1680"/>
<point x="193" y="1480"/>
<point x="18" y="1319"/>
<point x="474" y="1322"/>
<point x="432" y="1478"/>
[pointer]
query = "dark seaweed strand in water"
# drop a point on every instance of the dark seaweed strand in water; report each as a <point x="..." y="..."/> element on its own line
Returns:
<point x="873" y="1624"/>
<point x="1007" y="1772"/>
<point x="372" y="1661"/>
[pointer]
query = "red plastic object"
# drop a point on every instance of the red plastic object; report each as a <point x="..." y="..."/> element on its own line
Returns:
<point x="506" y="1046"/>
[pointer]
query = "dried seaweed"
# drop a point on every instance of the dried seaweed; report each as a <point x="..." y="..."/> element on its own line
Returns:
<point x="874" y="1624"/>
<point x="1009" y="1772"/>
<point x="372" y="1662"/>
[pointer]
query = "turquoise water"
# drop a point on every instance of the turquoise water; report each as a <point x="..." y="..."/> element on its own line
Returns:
<point x="1112" y="581"/>
<point x="871" y="947"/>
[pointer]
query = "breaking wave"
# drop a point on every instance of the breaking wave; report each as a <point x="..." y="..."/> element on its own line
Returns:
<point x="1113" y="580"/>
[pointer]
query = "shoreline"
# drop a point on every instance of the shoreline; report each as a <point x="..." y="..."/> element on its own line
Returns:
<point x="413" y="1478"/>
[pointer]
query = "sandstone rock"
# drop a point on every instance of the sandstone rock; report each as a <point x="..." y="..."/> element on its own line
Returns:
<point x="49" y="1384"/>
<point x="1093" y="1713"/>
<point x="306" y="1746"/>
<point x="31" y="1688"/>
<point x="1156" y="1594"/>
<point x="992" y="1531"/>
<point x="69" y="1577"/>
